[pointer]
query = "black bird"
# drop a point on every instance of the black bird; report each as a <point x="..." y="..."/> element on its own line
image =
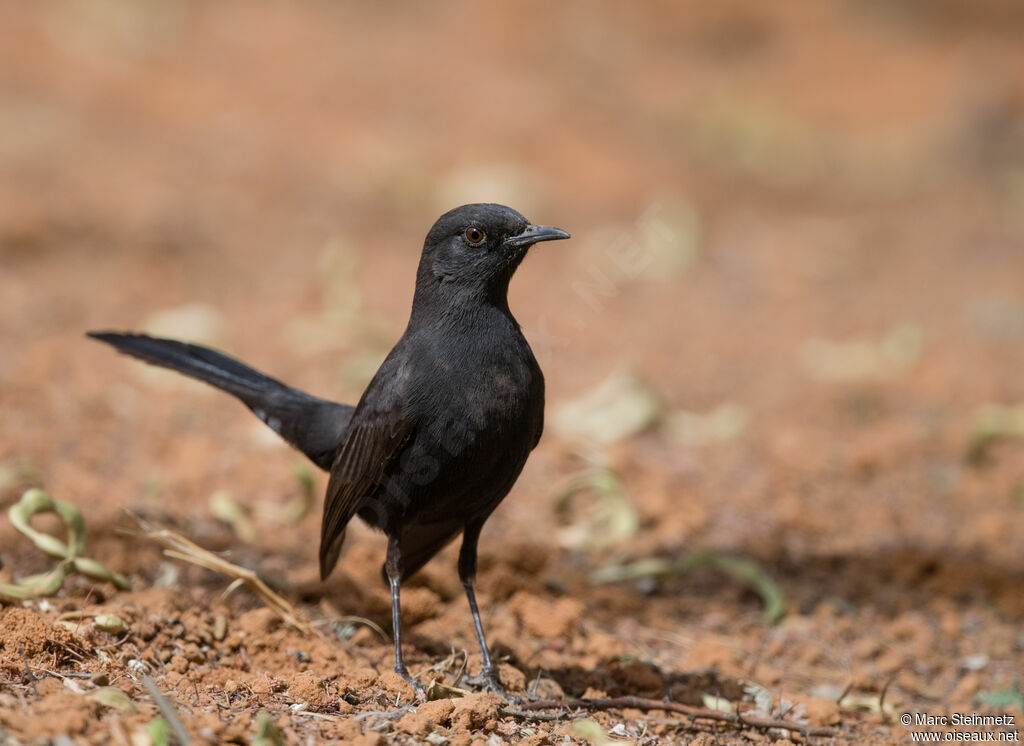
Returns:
<point x="444" y="427"/>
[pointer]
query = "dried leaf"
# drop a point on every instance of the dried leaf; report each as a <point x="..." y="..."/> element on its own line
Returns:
<point x="864" y="359"/>
<point x="866" y="703"/>
<point x="224" y="508"/>
<point x="619" y="407"/>
<point x="722" y="424"/>
<point x="437" y="690"/>
<point x="35" y="586"/>
<point x="591" y="732"/>
<point x="718" y="704"/>
<point x="745" y="570"/>
<point x="763" y="699"/>
<point x="656" y="246"/>
<point x="611" y="521"/>
<point x="113" y="698"/>
<point x="644" y="568"/>
<point x="111" y="624"/>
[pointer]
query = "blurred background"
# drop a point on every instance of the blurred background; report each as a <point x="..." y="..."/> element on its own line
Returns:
<point x="789" y="326"/>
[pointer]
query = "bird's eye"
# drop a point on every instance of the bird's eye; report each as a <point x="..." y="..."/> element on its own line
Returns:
<point x="475" y="236"/>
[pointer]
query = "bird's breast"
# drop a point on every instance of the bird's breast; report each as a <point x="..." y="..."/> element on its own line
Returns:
<point x="491" y="404"/>
<point x="476" y="422"/>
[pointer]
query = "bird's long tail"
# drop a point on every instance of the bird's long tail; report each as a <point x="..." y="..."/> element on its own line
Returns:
<point x="314" y="426"/>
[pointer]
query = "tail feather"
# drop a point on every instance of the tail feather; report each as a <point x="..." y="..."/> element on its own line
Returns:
<point x="314" y="426"/>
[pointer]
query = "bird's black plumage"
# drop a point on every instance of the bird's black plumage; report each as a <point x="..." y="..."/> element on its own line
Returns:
<point x="444" y="427"/>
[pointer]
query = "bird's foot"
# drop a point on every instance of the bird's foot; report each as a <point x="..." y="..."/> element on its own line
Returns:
<point x="417" y="687"/>
<point x="487" y="681"/>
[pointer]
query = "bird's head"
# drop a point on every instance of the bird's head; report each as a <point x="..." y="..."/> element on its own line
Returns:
<point x="475" y="249"/>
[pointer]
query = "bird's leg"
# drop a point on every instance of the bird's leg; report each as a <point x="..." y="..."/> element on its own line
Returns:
<point x="488" y="677"/>
<point x="393" y="568"/>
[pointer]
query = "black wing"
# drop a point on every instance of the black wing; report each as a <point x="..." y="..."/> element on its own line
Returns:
<point x="376" y="436"/>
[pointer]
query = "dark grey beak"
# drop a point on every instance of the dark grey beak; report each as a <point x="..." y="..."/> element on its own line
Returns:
<point x="535" y="234"/>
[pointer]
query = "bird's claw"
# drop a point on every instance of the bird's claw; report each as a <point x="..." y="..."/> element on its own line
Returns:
<point x="487" y="681"/>
<point x="417" y="687"/>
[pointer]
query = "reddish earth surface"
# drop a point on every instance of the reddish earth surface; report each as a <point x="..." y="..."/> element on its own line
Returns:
<point x="800" y="227"/>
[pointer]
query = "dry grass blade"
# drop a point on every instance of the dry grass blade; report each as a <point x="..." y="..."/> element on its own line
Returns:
<point x="170" y="715"/>
<point x="618" y="408"/>
<point x="354" y="620"/>
<point x="224" y="508"/>
<point x="267" y="734"/>
<point x="46" y="584"/>
<point x="178" y="547"/>
<point x="745" y="570"/>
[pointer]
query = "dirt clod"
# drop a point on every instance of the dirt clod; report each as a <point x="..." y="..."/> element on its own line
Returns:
<point x="427" y="717"/>
<point x="476" y="711"/>
<point x="26" y="633"/>
<point x="258" y="622"/>
<point x="263" y="686"/>
<point x="511" y="677"/>
<point x="395" y="686"/>
<point x="309" y="688"/>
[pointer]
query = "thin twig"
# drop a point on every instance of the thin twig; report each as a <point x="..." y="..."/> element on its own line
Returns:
<point x="391" y="715"/>
<point x="639" y="703"/>
<point x="540" y="717"/>
<point x="67" y="675"/>
<point x="881" y="696"/>
<point x="315" y="715"/>
<point x="167" y="710"/>
<point x="32" y="678"/>
<point x="532" y="691"/>
<point x="846" y="690"/>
